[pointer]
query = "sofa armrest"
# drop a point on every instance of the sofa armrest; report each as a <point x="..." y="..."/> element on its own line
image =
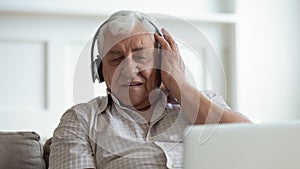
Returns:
<point x="21" y="150"/>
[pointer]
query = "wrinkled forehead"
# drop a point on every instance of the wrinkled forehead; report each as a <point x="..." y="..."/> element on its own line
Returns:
<point x="109" y="40"/>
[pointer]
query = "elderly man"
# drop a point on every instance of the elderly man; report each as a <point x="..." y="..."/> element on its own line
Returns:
<point x="135" y="126"/>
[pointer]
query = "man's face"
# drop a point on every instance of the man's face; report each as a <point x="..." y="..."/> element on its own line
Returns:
<point x="129" y="70"/>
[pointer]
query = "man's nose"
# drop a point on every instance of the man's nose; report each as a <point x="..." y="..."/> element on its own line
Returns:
<point x="129" y="67"/>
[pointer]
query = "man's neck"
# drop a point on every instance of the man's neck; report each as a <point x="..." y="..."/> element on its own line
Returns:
<point x="147" y="114"/>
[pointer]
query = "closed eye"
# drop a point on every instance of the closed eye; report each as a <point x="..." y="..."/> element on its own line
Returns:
<point x="116" y="61"/>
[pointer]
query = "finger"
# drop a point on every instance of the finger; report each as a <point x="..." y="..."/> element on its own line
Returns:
<point x="169" y="39"/>
<point x="163" y="43"/>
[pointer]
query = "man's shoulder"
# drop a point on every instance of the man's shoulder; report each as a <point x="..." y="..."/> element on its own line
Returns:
<point x="215" y="98"/>
<point x="92" y="101"/>
<point x="88" y="109"/>
<point x="94" y="104"/>
<point x="210" y="94"/>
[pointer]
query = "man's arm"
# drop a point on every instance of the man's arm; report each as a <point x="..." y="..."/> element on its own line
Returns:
<point x="70" y="148"/>
<point x="198" y="108"/>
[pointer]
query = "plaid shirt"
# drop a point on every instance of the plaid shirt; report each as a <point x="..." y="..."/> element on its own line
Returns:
<point x="103" y="134"/>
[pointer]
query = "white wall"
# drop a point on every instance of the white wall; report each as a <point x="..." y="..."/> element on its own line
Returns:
<point x="40" y="45"/>
<point x="38" y="55"/>
<point x="268" y="59"/>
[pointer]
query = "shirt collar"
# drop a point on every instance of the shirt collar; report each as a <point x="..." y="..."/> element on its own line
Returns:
<point x="158" y="107"/>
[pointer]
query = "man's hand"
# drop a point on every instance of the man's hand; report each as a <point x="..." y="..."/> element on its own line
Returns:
<point x="198" y="108"/>
<point x="172" y="66"/>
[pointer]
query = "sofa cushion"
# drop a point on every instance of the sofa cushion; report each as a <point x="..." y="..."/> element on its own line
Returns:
<point x="21" y="150"/>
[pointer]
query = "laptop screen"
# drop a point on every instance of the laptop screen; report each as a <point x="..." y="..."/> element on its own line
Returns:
<point x="243" y="146"/>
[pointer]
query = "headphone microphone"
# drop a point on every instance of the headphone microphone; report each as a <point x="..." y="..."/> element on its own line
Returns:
<point x="96" y="64"/>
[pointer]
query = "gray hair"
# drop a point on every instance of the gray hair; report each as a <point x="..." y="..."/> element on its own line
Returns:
<point x="123" y="23"/>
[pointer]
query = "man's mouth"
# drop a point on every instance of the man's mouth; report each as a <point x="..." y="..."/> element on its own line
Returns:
<point x="135" y="84"/>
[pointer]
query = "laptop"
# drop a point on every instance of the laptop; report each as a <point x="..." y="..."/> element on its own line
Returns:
<point x="243" y="146"/>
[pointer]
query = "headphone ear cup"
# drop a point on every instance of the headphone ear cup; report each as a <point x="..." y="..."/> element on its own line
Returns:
<point x="99" y="68"/>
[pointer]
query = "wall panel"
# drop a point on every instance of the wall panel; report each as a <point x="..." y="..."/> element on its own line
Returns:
<point x="25" y="72"/>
